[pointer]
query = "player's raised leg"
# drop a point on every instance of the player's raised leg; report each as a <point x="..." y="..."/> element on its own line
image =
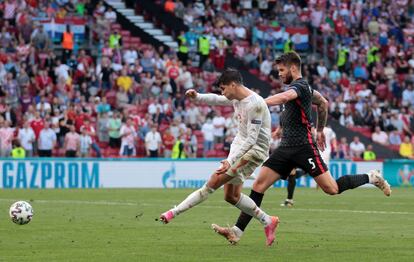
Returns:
<point x="332" y="187"/>
<point x="197" y="197"/>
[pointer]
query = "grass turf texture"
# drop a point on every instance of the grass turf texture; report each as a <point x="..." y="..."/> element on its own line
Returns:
<point x="119" y="225"/>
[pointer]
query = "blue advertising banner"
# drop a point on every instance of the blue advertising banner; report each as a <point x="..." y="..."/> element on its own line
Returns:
<point x="399" y="172"/>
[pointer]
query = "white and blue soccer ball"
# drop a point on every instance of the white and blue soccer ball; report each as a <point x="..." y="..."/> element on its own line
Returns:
<point x="21" y="212"/>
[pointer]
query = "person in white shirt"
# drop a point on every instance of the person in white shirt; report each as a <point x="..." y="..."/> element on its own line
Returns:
<point x="130" y="56"/>
<point x="85" y="143"/>
<point x="193" y="115"/>
<point x="330" y="142"/>
<point x="47" y="141"/>
<point x="408" y="96"/>
<point x="240" y="32"/>
<point x="128" y="135"/>
<point x="27" y="137"/>
<point x="153" y="142"/>
<point x="266" y="66"/>
<point x="218" y="122"/>
<point x="208" y="132"/>
<point x="356" y="148"/>
<point x="62" y="70"/>
<point x="380" y="136"/>
<point x="110" y="15"/>
<point x="249" y="149"/>
<point x="43" y="105"/>
<point x="185" y="79"/>
<point x="322" y="71"/>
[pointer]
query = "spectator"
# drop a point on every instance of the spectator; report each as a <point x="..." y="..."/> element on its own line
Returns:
<point x="334" y="74"/>
<point x="185" y="80"/>
<point x="191" y="144"/>
<point x="408" y="96"/>
<point x="406" y="148"/>
<point x="47" y="141"/>
<point x="266" y="66"/>
<point x="72" y="142"/>
<point x="67" y="43"/>
<point x="208" y="133"/>
<point x="369" y="154"/>
<point x="6" y="138"/>
<point x="322" y="70"/>
<point x="27" y="138"/>
<point x="380" y="136"/>
<point x="218" y="123"/>
<point x="110" y="15"/>
<point x="40" y="39"/>
<point x="169" y="142"/>
<point x="343" y="151"/>
<point x="17" y="151"/>
<point x="128" y="135"/>
<point x="394" y="138"/>
<point x="103" y="121"/>
<point x="193" y="115"/>
<point x="356" y="148"/>
<point x="153" y="142"/>
<point x="90" y="131"/>
<point x="346" y="119"/>
<point x="85" y="143"/>
<point x="124" y="81"/>
<point x="178" y="151"/>
<point x="114" y="127"/>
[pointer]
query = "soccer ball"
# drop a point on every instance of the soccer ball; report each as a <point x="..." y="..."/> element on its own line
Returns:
<point x="21" y="212"/>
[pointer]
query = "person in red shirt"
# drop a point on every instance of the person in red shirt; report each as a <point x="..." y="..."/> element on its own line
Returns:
<point x="79" y="119"/>
<point x="37" y="125"/>
<point x="90" y="130"/>
<point x="43" y="80"/>
<point x="169" y="141"/>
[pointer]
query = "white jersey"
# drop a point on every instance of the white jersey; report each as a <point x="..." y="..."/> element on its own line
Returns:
<point x="253" y="120"/>
<point x="329" y="137"/>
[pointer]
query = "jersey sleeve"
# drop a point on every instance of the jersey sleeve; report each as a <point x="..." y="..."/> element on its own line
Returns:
<point x="213" y="99"/>
<point x="255" y="120"/>
<point x="297" y="89"/>
<point x="301" y="90"/>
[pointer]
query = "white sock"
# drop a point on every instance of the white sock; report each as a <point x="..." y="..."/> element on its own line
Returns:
<point x="237" y="231"/>
<point x="370" y="179"/>
<point x="248" y="206"/>
<point x="193" y="199"/>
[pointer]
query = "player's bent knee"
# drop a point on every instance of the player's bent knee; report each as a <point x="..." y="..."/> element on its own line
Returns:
<point x="232" y="199"/>
<point x="259" y="187"/>
<point x="331" y="190"/>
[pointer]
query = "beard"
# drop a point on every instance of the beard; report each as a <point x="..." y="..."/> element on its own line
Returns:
<point x="288" y="79"/>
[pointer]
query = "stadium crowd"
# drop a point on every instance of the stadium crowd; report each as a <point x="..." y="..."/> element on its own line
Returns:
<point x="128" y="99"/>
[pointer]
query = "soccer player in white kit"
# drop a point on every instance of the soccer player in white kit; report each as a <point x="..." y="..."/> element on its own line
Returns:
<point x="249" y="149"/>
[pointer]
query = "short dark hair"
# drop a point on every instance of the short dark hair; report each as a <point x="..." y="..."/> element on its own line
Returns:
<point x="229" y="75"/>
<point x="289" y="58"/>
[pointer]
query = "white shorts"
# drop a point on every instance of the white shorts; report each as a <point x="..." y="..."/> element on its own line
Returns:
<point x="244" y="167"/>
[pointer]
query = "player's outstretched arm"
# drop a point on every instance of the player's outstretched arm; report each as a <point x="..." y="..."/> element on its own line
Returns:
<point x="209" y="99"/>
<point x="254" y="123"/>
<point x="281" y="98"/>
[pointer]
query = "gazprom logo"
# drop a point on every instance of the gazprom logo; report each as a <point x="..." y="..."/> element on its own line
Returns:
<point x="169" y="180"/>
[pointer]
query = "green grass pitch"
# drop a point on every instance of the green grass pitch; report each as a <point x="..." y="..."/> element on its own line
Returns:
<point x="119" y="225"/>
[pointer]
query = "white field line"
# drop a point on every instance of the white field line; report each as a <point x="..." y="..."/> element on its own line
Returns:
<point x="124" y="203"/>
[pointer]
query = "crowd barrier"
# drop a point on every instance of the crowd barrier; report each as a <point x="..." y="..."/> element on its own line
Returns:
<point x="158" y="173"/>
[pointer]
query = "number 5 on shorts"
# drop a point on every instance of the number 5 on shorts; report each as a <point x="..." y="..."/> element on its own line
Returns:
<point x="310" y="160"/>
